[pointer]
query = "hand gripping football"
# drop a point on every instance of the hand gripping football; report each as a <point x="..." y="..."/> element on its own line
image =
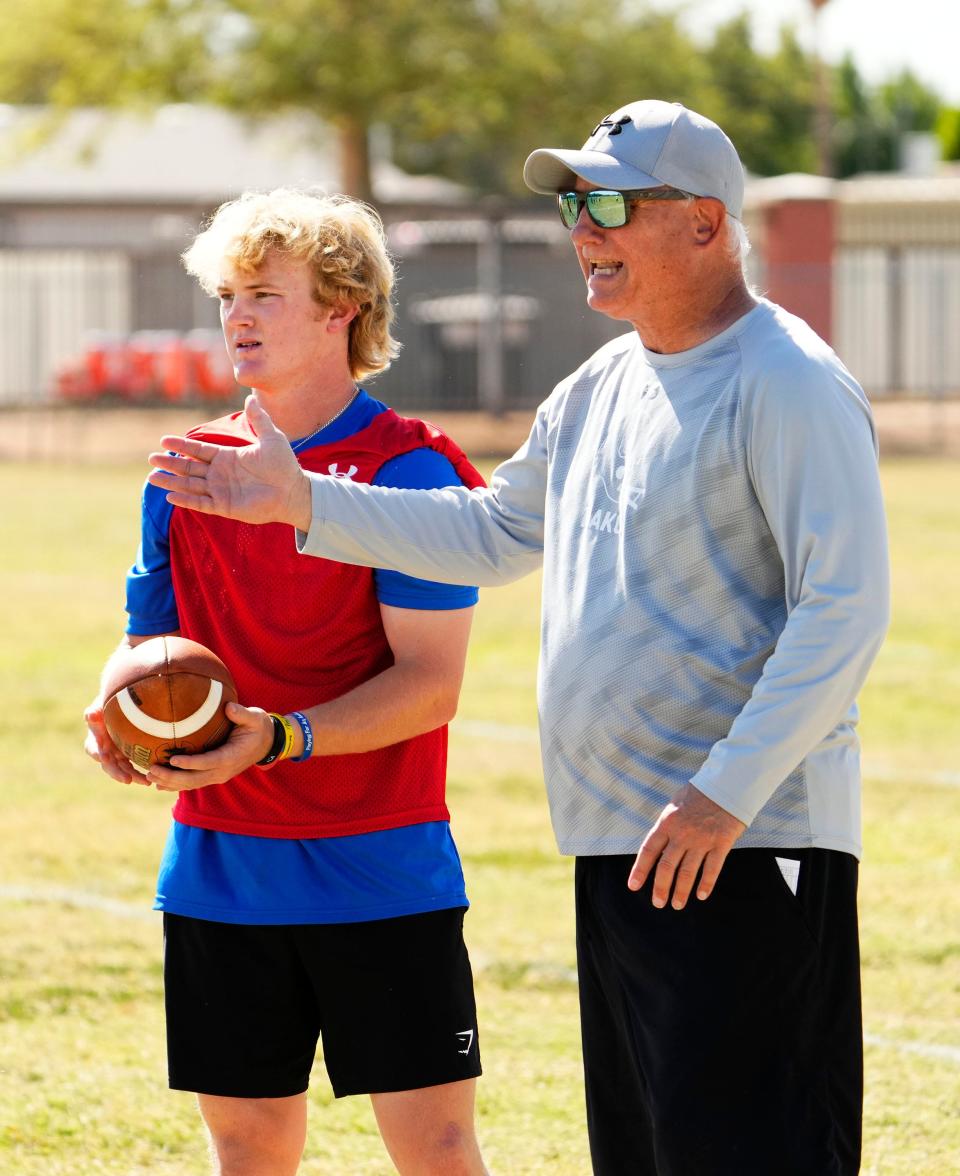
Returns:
<point x="164" y="697"/>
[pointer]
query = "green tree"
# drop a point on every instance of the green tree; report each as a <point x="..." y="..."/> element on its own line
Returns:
<point x="101" y="52"/>
<point x="407" y="62"/>
<point x="463" y="87"/>
<point x="547" y="73"/>
<point x="864" y="132"/>
<point x="765" y="103"/>
<point x="334" y="57"/>
<point x="948" y="132"/>
<point x="871" y="121"/>
<point x="912" y="105"/>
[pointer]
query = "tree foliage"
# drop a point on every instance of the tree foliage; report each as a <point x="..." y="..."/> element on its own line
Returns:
<point x="544" y="75"/>
<point x="912" y="105"/>
<point x="864" y="134"/>
<point x="405" y="64"/>
<point x="765" y="103"/>
<point x="870" y="124"/>
<point x="948" y="132"/>
<point x="464" y="88"/>
<point x="101" y="52"/>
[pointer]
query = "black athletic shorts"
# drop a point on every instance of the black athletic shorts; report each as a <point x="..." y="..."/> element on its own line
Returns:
<point x="724" y="1039"/>
<point x="392" y="1000"/>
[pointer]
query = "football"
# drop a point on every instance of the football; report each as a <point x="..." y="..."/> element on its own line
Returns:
<point x="166" y="696"/>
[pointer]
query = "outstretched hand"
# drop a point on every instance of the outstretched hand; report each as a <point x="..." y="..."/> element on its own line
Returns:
<point x="693" y="833"/>
<point x="258" y="483"/>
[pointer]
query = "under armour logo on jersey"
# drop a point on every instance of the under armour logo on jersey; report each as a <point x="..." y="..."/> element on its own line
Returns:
<point x="465" y="1035"/>
<point x="614" y="127"/>
<point x="334" y="471"/>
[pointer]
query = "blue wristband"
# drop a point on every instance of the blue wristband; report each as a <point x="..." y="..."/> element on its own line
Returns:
<point x="307" y="737"/>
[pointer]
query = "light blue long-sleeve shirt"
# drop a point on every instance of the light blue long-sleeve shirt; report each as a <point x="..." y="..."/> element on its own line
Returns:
<point x="712" y="534"/>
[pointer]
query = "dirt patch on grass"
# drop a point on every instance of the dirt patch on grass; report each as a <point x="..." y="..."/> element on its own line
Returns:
<point x="98" y="435"/>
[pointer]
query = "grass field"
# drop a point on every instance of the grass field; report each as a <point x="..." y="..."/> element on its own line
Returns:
<point x="82" y="1072"/>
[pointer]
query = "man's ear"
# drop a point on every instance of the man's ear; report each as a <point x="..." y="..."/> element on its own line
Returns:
<point x="708" y="217"/>
<point x="341" y="316"/>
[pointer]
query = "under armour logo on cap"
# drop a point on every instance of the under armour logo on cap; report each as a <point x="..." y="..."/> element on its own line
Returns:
<point x="615" y="125"/>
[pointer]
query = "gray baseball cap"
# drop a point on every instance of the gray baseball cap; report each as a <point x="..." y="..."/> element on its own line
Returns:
<point x="646" y="145"/>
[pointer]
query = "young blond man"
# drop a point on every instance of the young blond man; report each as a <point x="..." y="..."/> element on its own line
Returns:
<point x="310" y="885"/>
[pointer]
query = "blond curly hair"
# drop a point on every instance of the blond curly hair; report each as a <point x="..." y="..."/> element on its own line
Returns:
<point x="343" y="241"/>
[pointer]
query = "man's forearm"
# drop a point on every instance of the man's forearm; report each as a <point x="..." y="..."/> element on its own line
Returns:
<point x="809" y="684"/>
<point x="455" y="535"/>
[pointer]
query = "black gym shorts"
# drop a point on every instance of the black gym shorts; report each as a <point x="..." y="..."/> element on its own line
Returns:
<point x="723" y="1039"/>
<point x="392" y="1000"/>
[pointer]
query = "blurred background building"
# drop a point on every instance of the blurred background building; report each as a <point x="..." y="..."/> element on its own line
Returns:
<point x="95" y="305"/>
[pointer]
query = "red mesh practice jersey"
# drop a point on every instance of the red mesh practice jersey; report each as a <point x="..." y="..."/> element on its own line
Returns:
<point x="296" y="631"/>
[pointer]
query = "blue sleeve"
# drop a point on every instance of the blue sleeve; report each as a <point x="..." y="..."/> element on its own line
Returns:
<point x="421" y="469"/>
<point x="151" y="604"/>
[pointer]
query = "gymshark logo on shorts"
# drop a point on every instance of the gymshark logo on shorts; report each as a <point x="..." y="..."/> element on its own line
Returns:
<point x="465" y="1035"/>
<point x="335" y="472"/>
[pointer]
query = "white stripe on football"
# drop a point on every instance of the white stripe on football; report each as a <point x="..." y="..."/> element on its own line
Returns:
<point x="183" y="727"/>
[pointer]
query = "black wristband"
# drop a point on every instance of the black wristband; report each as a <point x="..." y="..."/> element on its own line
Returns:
<point x="279" y="739"/>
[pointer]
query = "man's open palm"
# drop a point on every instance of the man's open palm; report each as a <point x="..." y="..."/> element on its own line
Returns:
<point x="258" y="483"/>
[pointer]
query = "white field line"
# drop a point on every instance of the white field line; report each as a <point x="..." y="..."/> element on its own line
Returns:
<point x="65" y="896"/>
<point x="892" y="776"/>
<point x="68" y="897"/>
<point x="924" y="1049"/>
<point x="515" y="733"/>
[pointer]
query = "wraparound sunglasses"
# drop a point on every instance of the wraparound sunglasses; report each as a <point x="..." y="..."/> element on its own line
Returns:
<point x="609" y="209"/>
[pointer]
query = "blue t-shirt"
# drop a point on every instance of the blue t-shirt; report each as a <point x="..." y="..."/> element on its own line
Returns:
<point x="234" y="878"/>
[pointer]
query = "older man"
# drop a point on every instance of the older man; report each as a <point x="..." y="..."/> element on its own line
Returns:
<point x="703" y="495"/>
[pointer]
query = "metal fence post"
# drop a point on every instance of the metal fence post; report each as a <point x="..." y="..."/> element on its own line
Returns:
<point x="490" y="365"/>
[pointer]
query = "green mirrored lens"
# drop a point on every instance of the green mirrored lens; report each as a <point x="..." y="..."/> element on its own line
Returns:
<point x="570" y="205"/>
<point x="607" y="209"/>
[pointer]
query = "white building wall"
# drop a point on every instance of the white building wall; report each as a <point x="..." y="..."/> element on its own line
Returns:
<point x="897" y="317"/>
<point x="862" y="315"/>
<point x="930" y="314"/>
<point x="50" y="302"/>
